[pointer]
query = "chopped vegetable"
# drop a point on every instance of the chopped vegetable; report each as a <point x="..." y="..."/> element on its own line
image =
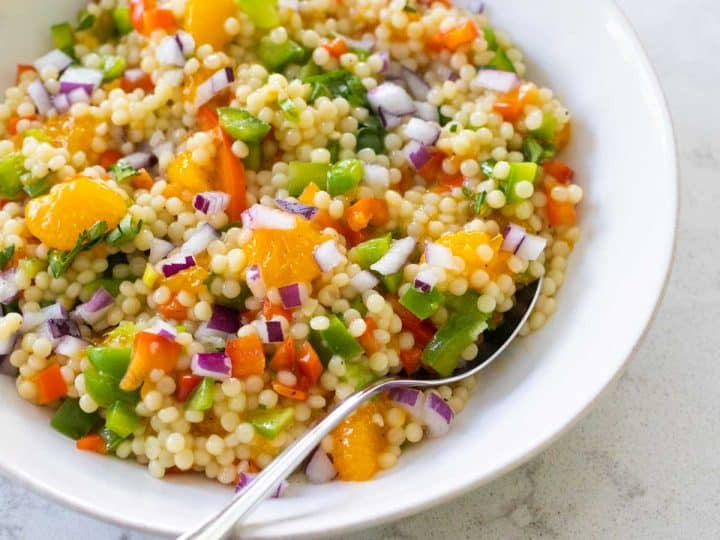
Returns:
<point x="50" y="385"/>
<point x="262" y="13"/>
<point x="247" y="356"/>
<point x="358" y="375"/>
<point x="202" y="397"/>
<point x="62" y="37"/>
<point x="113" y="361"/>
<point x="338" y="83"/>
<point x="442" y="354"/>
<point x="301" y="174"/>
<point x="371" y="251"/>
<point x="271" y="422"/>
<point x="92" y="443"/>
<point x="11" y="170"/>
<point x="420" y="304"/>
<point x="519" y="172"/>
<point x="231" y="175"/>
<point x="149" y="352"/>
<point x="123" y="22"/>
<point x="241" y="125"/>
<point x="121" y="419"/>
<point x="125" y="232"/>
<point x="335" y="339"/>
<point x="72" y="421"/>
<point x="276" y="56"/>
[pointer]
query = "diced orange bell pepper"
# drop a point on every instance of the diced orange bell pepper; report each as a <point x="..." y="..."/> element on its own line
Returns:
<point x="410" y="359"/>
<point x="269" y="310"/>
<point x="173" y="309"/>
<point x="454" y="38"/>
<point x="247" y="356"/>
<point x="158" y="19"/>
<point x="309" y="365"/>
<point x="365" y="212"/>
<point x="21" y="69"/>
<point x="284" y="357"/>
<point x="13" y="122"/>
<point x="109" y="158"/>
<point x="207" y="118"/>
<point x="423" y="331"/>
<point x="337" y="47"/>
<point x="512" y="105"/>
<point x="231" y="175"/>
<point x="185" y="385"/>
<point x="149" y="352"/>
<point x="91" y="443"/>
<point x="50" y="385"/>
<point x="308" y="194"/>
<point x="143" y="82"/>
<point x="142" y="180"/>
<point x="559" y="213"/>
<point x="559" y="171"/>
<point x="289" y="391"/>
<point x="137" y="12"/>
<point x="367" y="340"/>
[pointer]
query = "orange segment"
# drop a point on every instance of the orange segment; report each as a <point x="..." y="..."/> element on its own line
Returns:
<point x="71" y="208"/>
<point x="205" y="21"/>
<point x="187" y="175"/>
<point x="358" y="441"/>
<point x="464" y="244"/>
<point x="285" y="256"/>
<point x="75" y="134"/>
<point x="191" y="280"/>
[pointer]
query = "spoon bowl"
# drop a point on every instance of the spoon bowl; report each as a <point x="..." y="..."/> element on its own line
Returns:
<point x="489" y="349"/>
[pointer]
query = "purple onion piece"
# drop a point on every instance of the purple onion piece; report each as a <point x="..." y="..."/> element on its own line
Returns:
<point x="393" y="99"/>
<point x="298" y="208"/>
<point x="327" y="255"/>
<point x="76" y="77"/>
<point x="422" y="131"/>
<point x="497" y="81"/>
<point x="40" y="97"/>
<point x="531" y="247"/>
<point x="170" y="52"/>
<point x="170" y="267"/>
<point x="216" y="365"/>
<point x="199" y="240"/>
<point x="211" y="202"/>
<point x="57" y="328"/>
<point x="417" y="154"/>
<point x="270" y="331"/>
<point x="396" y="256"/>
<point x="410" y="400"/>
<point x="163" y="329"/>
<point x="55" y="58"/>
<point x="291" y="296"/>
<point x="513" y="236"/>
<point x="437" y="414"/>
<point x="255" y="282"/>
<point x="224" y="319"/>
<point x="159" y="249"/>
<point x="70" y="346"/>
<point x="320" y="469"/>
<point x="139" y="160"/>
<point x="364" y="281"/>
<point x="259" y="216"/>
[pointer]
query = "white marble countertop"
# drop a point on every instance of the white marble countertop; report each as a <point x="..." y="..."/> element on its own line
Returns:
<point x="645" y="463"/>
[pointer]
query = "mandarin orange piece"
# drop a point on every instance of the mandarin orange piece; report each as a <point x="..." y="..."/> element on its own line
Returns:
<point x="464" y="244"/>
<point x="358" y="442"/>
<point x="188" y="175"/>
<point x="205" y="20"/>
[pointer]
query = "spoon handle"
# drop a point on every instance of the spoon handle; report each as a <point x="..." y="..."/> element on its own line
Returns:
<point x="221" y="524"/>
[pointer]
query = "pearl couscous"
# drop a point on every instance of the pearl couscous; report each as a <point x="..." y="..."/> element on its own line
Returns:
<point x="221" y="218"/>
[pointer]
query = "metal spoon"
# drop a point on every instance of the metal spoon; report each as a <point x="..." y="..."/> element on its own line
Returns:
<point x="494" y="343"/>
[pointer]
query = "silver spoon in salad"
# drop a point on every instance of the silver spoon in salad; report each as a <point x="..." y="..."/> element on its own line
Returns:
<point x="448" y="343"/>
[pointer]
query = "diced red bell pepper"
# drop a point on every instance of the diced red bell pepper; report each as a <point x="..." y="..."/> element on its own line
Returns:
<point x="559" y="171"/>
<point x="309" y="364"/>
<point x="50" y="385"/>
<point x="185" y="385"/>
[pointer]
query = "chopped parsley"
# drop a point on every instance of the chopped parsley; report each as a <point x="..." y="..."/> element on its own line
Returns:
<point x="536" y="152"/>
<point x="6" y="256"/>
<point x="123" y="170"/>
<point x="126" y="231"/>
<point x="338" y="83"/>
<point x="60" y="261"/>
<point x="478" y="199"/>
<point x="409" y="9"/>
<point x="487" y="167"/>
<point x="371" y="134"/>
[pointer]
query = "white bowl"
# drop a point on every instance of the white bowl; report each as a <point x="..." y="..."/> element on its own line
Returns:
<point x="624" y="155"/>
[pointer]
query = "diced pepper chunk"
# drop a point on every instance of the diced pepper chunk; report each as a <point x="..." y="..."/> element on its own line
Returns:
<point x="262" y="13"/>
<point x="269" y="423"/>
<point x="241" y="125"/>
<point x="150" y="351"/>
<point x="247" y="356"/>
<point x="72" y="421"/>
<point x="422" y="305"/>
<point x="442" y="354"/>
<point x="309" y="364"/>
<point x="335" y="340"/>
<point x="302" y="175"/>
<point x="50" y="385"/>
<point x="202" y="396"/>
<point x="185" y="386"/>
<point x="371" y="251"/>
<point x="122" y="419"/>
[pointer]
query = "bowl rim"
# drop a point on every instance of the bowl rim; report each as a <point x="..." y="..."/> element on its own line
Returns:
<point x="400" y="511"/>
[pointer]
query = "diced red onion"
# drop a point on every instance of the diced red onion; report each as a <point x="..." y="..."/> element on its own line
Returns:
<point x="169" y="52"/>
<point x="40" y="97"/>
<point x="297" y="208"/>
<point x="259" y="216"/>
<point x="392" y="98"/>
<point x="55" y="58"/>
<point x="364" y="281"/>
<point x="445" y="72"/>
<point x="437" y="414"/>
<point x="497" y="81"/>
<point x="531" y="247"/>
<point x="78" y="95"/>
<point x="376" y="176"/>
<point x="7" y="345"/>
<point x="246" y="478"/>
<point x="440" y="256"/>
<point x="95" y="309"/>
<point x="224" y="319"/>
<point x="396" y="256"/>
<point x="170" y="267"/>
<point x="185" y="41"/>
<point x="9" y="292"/>
<point x="388" y="120"/>
<point x="216" y="365"/>
<point x="418" y="86"/>
<point x="427" y="111"/>
<point x="320" y="469"/>
<point x="199" y="240"/>
<point x="425" y="280"/>
<point x="422" y="131"/>
<point x="36" y="318"/>
<point x="270" y="331"/>
<point x="417" y="154"/>
<point x="410" y="400"/>
<point x="214" y="338"/>
<point x="163" y="329"/>
<point x="220" y="80"/>
<point x="294" y="295"/>
<point x="513" y="235"/>
<point x="211" y="202"/>
<point x="61" y="103"/>
<point x="57" y="328"/>
<point x="473" y="6"/>
<point x="70" y="346"/>
<point x="385" y="57"/>
<point x="327" y="255"/>
<point x="139" y="160"/>
<point x="255" y="282"/>
<point x="80" y="77"/>
<point x="159" y="249"/>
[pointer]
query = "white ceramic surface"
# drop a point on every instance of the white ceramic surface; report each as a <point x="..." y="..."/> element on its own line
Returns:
<point x="623" y="148"/>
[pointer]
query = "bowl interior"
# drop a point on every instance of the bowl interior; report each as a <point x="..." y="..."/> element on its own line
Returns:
<point x="624" y="155"/>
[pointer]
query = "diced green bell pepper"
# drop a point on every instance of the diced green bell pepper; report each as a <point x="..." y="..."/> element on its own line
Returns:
<point x="519" y="172"/>
<point x="462" y="304"/>
<point x="37" y="134"/>
<point x="112" y="439"/>
<point x="111" y="360"/>
<point x="262" y="13"/>
<point x="546" y="131"/>
<point x="344" y="176"/>
<point x="269" y="423"/>
<point x="392" y="282"/>
<point x="72" y="421"/>
<point x="111" y="285"/>
<point x="490" y="38"/>
<point x="422" y="305"/>
<point x="62" y="36"/>
<point x="371" y="251"/>
<point x="113" y="67"/>
<point x="202" y="398"/>
<point x="104" y="388"/>
<point x="309" y="70"/>
<point x="11" y="170"/>
<point x="501" y="61"/>
<point x="253" y="161"/>
<point x="241" y="125"/>
<point x="275" y="56"/>
<point x="358" y="305"/>
<point x="123" y="22"/>
<point x="40" y="187"/>
<point x="32" y="267"/>
<point x="358" y="375"/>
<point x="300" y="174"/>
<point x="122" y="419"/>
<point x="335" y="340"/>
<point x="442" y="354"/>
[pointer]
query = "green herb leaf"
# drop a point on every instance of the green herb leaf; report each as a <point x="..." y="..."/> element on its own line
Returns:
<point x="487" y="167"/>
<point x="371" y="134"/>
<point x="60" y="261"/>
<point x="6" y="256"/>
<point x="453" y="127"/>
<point x="409" y="9"/>
<point x="85" y="20"/>
<point x="123" y="170"/>
<point x="537" y="152"/>
<point x="478" y="199"/>
<point x="338" y="83"/>
<point x="126" y="231"/>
